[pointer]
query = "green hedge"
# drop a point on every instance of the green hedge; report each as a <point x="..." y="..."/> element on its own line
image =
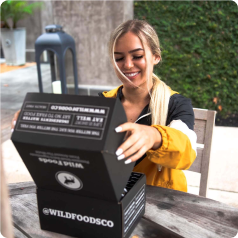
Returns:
<point x="199" y="42"/>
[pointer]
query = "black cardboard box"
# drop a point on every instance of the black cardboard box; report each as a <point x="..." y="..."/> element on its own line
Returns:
<point x="91" y="217"/>
<point x="68" y="144"/>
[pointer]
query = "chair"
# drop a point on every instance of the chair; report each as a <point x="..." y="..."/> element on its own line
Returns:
<point x="204" y="123"/>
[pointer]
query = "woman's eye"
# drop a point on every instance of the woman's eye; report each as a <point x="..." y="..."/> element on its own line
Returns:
<point x="119" y="59"/>
<point x="138" y="57"/>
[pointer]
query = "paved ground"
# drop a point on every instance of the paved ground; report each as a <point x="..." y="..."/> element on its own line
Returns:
<point x="224" y="158"/>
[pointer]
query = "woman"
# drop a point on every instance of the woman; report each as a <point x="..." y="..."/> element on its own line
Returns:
<point x="170" y="143"/>
<point x="160" y="121"/>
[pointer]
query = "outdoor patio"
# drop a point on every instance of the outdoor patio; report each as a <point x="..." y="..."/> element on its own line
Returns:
<point x="14" y="86"/>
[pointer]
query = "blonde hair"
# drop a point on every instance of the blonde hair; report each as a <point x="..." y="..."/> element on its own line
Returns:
<point x="160" y="93"/>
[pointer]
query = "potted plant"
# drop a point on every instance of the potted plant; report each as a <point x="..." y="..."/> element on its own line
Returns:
<point x="13" y="38"/>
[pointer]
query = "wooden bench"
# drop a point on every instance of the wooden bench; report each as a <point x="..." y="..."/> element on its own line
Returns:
<point x="204" y="123"/>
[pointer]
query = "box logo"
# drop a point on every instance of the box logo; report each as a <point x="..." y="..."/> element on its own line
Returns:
<point x="78" y="217"/>
<point x="69" y="180"/>
<point x="46" y="211"/>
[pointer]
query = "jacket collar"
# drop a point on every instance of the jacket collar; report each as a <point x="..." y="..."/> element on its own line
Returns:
<point x="113" y="93"/>
<point x="117" y="93"/>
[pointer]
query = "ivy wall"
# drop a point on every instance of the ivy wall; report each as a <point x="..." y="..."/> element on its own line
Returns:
<point x="199" y="42"/>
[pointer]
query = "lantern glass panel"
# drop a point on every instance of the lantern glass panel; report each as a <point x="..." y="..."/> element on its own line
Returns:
<point x="49" y="66"/>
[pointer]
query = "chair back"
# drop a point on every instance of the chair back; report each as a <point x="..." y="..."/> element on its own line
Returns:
<point x="204" y="123"/>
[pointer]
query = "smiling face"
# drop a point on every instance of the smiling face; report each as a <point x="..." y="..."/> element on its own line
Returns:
<point x="130" y="58"/>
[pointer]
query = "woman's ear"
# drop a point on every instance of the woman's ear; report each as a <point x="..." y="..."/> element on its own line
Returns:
<point x="156" y="59"/>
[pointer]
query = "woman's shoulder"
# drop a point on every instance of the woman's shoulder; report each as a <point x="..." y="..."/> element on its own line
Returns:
<point x="177" y="98"/>
<point x="172" y="92"/>
<point x="180" y="107"/>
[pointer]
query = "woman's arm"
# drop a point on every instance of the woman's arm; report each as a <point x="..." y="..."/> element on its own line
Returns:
<point x="179" y="140"/>
<point x="178" y="150"/>
<point x="173" y="146"/>
<point x="142" y="138"/>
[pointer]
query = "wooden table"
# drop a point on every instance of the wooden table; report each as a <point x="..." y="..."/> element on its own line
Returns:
<point x="168" y="213"/>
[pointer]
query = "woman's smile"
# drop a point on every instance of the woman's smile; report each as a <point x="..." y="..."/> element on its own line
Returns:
<point x="131" y="75"/>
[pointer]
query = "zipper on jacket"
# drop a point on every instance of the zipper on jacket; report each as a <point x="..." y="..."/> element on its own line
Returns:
<point x="142" y="117"/>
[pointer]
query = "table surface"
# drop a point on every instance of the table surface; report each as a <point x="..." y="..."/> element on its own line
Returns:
<point x="168" y="213"/>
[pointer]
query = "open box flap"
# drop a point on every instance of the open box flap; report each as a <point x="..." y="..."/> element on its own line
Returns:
<point x="75" y="135"/>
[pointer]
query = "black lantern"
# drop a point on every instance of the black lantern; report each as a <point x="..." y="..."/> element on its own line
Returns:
<point x="56" y="41"/>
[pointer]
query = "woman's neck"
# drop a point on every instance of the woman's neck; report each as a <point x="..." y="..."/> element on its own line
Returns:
<point x="136" y="95"/>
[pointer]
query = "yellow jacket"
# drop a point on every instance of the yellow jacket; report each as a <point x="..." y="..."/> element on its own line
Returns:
<point x="177" y="152"/>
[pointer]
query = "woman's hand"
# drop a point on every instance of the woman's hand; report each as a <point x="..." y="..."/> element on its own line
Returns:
<point x="14" y="119"/>
<point x="141" y="139"/>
